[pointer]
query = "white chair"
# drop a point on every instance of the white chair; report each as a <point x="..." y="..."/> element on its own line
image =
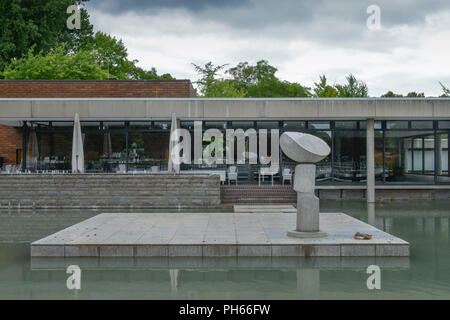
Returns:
<point x="287" y="175"/>
<point x="155" y="169"/>
<point x="232" y="174"/>
<point x="122" y="168"/>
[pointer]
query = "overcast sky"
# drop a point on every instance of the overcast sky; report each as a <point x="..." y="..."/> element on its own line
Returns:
<point x="302" y="38"/>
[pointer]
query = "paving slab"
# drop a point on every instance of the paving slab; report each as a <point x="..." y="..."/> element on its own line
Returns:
<point x="230" y="234"/>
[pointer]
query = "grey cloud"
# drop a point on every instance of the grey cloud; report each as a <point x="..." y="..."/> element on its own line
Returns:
<point x="147" y="6"/>
<point x="253" y="13"/>
<point x="338" y="23"/>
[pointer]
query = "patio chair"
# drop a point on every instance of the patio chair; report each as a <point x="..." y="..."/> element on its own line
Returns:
<point x="121" y="168"/>
<point x="287" y="175"/>
<point x="232" y="174"/>
<point x="155" y="169"/>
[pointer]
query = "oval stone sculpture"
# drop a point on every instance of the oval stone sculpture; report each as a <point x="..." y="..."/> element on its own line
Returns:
<point x="303" y="147"/>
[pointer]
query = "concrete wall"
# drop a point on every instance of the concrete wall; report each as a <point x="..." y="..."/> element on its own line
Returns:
<point x="109" y="191"/>
<point x="128" y="109"/>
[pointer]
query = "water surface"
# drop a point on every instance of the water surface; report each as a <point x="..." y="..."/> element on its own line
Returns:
<point x="425" y="275"/>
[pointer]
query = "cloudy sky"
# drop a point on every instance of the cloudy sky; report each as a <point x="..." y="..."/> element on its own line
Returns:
<point x="302" y="38"/>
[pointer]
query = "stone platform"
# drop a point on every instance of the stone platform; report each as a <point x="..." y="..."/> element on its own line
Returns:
<point x="214" y="235"/>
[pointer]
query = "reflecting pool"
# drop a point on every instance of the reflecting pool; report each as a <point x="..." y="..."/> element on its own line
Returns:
<point x="425" y="275"/>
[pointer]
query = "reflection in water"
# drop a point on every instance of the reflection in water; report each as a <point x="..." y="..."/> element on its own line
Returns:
<point x="425" y="275"/>
<point x="308" y="283"/>
<point x="371" y="213"/>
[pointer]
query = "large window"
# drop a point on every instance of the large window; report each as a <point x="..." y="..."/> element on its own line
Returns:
<point x="406" y="151"/>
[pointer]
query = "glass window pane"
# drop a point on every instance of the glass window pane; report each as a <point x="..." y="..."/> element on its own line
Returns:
<point x="345" y="124"/>
<point x="349" y="156"/>
<point x="60" y="124"/>
<point x="444" y="124"/>
<point x="244" y="125"/>
<point x="396" y="125"/>
<point x="90" y="125"/>
<point x="422" y="124"/>
<point x="141" y="125"/>
<point x="162" y="125"/>
<point x="294" y="125"/>
<point x="319" y="125"/>
<point x="114" y="124"/>
<point x="147" y="150"/>
<point x="189" y="125"/>
<point x="267" y="125"/>
<point x="221" y="125"/>
<point x="41" y="124"/>
<point x="405" y="159"/>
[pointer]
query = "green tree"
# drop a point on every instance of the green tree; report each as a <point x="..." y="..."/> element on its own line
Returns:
<point x="40" y="24"/>
<point x="260" y="81"/>
<point x="137" y="73"/>
<point x="275" y="88"/>
<point x="354" y="88"/>
<point x="208" y="77"/>
<point x="56" y="65"/>
<point x="391" y="94"/>
<point x="111" y="55"/>
<point x="323" y="90"/>
<point x="415" y="95"/>
<point x="225" y="88"/>
<point x="246" y="75"/>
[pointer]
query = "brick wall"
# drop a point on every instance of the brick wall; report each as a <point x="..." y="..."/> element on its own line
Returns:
<point x="10" y="140"/>
<point x="96" y="89"/>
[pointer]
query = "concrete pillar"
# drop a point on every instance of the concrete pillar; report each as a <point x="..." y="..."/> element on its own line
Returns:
<point x="439" y="154"/>
<point x="307" y="203"/>
<point x="370" y="162"/>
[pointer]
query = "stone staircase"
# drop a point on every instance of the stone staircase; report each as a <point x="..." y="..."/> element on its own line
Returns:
<point x="254" y="194"/>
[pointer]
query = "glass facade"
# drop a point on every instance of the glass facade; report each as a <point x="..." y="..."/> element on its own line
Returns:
<point x="409" y="152"/>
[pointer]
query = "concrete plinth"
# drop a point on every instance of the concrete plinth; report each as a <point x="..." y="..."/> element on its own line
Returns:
<point x="214" y="235"/>
<point x="307" y="212"/>
<point x="307" y="225"/>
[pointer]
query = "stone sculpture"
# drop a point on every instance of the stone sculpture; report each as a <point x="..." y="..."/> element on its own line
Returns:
<point x="307" y="150"/>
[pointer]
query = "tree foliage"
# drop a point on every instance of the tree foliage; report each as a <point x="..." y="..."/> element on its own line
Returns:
<point x="247" y="80"/>
<point x="323" y="90"/>
<point x="354" y="88"/>
<point x="56" y="65"/>
<point x="38" y="24"/>
<point x="412" y="94"/>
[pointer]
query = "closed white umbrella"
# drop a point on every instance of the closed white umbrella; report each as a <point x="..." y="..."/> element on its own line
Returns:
<point x="33" y="150"/>
<point x="171" y="166"/>
<point x="77" y="147"/>
<point x="107" y="146"/>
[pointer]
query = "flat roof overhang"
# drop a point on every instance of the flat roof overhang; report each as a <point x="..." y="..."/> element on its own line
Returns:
<point x="12" y="109"/>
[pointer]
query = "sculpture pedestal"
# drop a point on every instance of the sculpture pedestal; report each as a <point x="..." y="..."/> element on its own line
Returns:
<point x="307" y="203"/>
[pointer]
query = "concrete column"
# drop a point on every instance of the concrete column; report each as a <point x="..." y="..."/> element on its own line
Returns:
<point x="439" y="154"/>
<point x="370" y="162"/>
